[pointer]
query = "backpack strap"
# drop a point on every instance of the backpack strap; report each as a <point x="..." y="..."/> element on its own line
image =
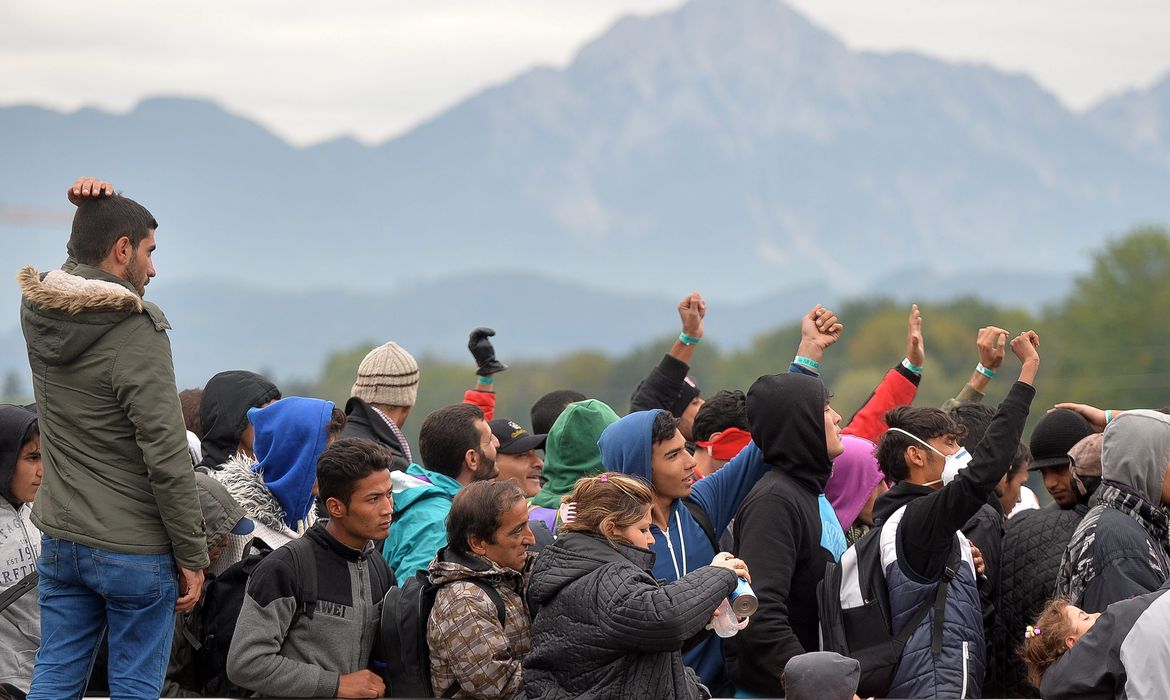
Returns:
<point x="704" y="522"/>
<point x="495" y="597"/>
<point x="381" y="571"/>
<point x="938" y="604"/>
<point x="15" y="592"/>
<point x="304" y="561"/>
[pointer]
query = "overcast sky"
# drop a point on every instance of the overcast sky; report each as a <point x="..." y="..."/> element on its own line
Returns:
<point x="312" y="70"/>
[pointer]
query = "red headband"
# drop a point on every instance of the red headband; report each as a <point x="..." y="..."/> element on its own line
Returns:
<point x="728" y="444"/>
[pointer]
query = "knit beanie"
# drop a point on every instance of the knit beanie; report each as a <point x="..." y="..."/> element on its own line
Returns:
<point x="1054" y="436"/>
<point x="388" y="375"/>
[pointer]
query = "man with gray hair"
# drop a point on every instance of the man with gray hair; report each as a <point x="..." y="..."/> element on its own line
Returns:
<point x="1122" y="547"/>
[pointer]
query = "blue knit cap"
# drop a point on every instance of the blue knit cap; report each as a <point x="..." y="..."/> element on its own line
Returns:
<point x="290" y="437"/>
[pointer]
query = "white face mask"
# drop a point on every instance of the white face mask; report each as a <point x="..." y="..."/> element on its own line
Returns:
<point x="954" y="463"/>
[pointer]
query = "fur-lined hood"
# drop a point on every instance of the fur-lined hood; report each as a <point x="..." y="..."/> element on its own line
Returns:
<point x="74" y="294"/>
<point x="64" y="313"/>
<point x="248" y="489"/>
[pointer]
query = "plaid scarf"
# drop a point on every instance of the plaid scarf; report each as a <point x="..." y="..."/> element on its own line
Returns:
<point x="397" y="434"/>
<point x="1078" y="566"/>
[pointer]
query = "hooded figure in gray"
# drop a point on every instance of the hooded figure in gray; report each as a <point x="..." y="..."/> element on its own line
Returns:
<point x="1122" y="547"/>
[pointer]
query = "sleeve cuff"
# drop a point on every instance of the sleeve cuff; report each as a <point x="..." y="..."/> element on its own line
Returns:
<point x="911" y="377"/>
<point x="674" y="368"/>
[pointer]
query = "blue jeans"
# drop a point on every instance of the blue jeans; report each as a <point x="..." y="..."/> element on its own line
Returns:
<point x="84" y="590"/>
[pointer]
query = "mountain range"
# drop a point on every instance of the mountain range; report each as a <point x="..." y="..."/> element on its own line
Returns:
<point x="729" y="145"/>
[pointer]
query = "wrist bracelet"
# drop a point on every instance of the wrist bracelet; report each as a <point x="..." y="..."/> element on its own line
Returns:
<point x="1108" y="416"/>
<point x="688" y="340"/>
<point x="989" y="373"/>
<point x="911" y="366"/>
<point x="481" y="379"/>
<point x="807" y="362"/>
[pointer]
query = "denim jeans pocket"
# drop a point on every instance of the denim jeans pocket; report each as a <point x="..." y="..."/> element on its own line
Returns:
<point x="132" y="578"/>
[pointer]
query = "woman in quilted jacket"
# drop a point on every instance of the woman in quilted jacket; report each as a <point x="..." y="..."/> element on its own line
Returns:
<point x="603" y="626"/>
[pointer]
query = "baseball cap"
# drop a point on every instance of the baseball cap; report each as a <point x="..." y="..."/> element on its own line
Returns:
<point x="514" y="439"/>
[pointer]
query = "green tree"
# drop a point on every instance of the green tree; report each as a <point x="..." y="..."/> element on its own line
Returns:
<point x="1113" y="343"/>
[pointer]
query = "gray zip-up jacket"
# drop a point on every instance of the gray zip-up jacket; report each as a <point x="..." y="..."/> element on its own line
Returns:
<point x="20" y="623"/>
<point x="277" y="651"/>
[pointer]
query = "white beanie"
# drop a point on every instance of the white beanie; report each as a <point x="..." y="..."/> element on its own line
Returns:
<point x="388" y="375"/>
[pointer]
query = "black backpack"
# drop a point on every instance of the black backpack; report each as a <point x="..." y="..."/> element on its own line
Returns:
<point x="405" y="611"/>
<point x="865" y="632"/>
<point x="210" y="628"/>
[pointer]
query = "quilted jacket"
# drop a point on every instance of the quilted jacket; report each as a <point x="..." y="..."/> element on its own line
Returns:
<point x="603" y="627"/>
<point x="1033" y="544"/>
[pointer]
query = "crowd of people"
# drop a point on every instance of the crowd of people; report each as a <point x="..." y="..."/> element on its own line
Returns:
<point x="234" y="541"/>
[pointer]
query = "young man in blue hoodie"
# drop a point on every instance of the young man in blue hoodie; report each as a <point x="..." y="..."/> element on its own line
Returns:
<point x="649" y="445"/>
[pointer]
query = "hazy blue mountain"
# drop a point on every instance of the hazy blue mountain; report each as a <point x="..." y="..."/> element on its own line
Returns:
<point x="222" y="324"/>
<point x="1139" y="120"/>
<point x="729" y="146"/>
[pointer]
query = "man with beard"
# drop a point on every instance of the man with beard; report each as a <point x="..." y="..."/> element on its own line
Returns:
<point x="118" y="487"/>
<point x="457" y="448"/>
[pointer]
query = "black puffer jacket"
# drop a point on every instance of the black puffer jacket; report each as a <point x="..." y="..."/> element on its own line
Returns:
<point x="1033" y="544"/>
<point x="603" y="627"/>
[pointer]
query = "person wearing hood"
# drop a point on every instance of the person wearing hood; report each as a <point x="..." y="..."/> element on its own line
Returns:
<point x="20" y="544"/>
<point x="786" y="531"/>
<point x="1122" y="547"/>
<point x="570" y="453"/>
<point x="223" y="415"/>
<point x="604" y="624"/>
<point x="276" y="489"/>
<point x="855" y="485"/>
<point x="781" y="412"/>
<point x="548" y="408"/>
<point x="118" y="483"/>
<point x="937" y="489"/>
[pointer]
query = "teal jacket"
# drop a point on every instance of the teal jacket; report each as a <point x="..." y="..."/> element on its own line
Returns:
<point x="422" y="499"/>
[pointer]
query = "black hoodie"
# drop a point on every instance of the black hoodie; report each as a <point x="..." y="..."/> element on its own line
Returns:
<point x="224" y="411"/>
<point x="778" y="530"/>
<point x="16" y="422"/>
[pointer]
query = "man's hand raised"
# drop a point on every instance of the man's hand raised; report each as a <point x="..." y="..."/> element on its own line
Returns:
<point x="692" y="310"/>
<point x="86" y="187"/>
<point x="361" y="684"/>
<point x="819" y="329"/>
<point x="915" y="343"/>
<point x="1026" y="346"/>
<point x="992" y="344"/>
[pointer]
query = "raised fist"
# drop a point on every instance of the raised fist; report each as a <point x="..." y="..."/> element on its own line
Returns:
<point x="483" y="352"/>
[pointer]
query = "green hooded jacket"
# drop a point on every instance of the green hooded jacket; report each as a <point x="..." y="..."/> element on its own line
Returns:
<point x="571" y="451"/>
<point x="117" y="474"/>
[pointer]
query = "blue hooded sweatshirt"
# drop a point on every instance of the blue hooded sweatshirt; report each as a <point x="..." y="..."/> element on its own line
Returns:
<point x="626" y="447"/>
<point x="290" y="437"/>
